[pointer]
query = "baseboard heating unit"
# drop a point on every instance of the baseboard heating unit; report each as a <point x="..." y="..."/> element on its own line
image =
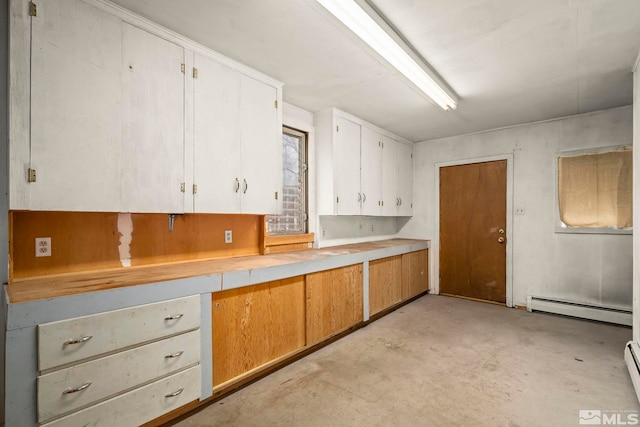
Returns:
<point x="632" y="357"/>
<point x="616" y="315"/>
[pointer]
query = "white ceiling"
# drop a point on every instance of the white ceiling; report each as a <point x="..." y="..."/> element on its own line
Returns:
<point x="509" y="61"/>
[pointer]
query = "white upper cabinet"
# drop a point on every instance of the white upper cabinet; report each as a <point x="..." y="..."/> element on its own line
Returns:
<point x="153" y="128"/>
<point x="260" y="148"/>
<point x="237" y="142"/>
<point x="107" y="114"/>
<point x="216" y="148"/>
<point x="75" y="110"/>
<point x="397" y="176"/>
<point x="371" y="172"/>
<point x="361" y="169"/>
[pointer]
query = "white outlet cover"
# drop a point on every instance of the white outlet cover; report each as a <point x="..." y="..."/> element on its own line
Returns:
<point x="43" y="246"/>
<point x="228" y="236"/>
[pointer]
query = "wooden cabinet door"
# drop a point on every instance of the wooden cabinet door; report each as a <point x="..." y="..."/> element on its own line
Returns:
<point x="75" y="99"/>
<point x="415" y="273"/>
<point x="371" y="172"/>
<point x="346" y="167"/>
<point x="385" y="283"/>
<point x="261" y="147"/>
<point x="254" y="325"/>
<point x="153" y="114"/>
<point x="334" y="301"/>
<point x="216" y="155"/>
<point x="405" y="179"/>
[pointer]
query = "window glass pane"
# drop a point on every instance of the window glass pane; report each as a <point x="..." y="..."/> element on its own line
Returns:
<point x="293" y="218"/>
<point x="594" y="190"/>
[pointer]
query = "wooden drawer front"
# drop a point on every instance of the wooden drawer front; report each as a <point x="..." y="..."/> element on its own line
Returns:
<point x="140" y="405"/>
<point x="113" y="374"/>
<point x="114" y="330"/>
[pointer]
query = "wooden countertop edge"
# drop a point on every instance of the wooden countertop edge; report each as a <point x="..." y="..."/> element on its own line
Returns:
<point x="59" y="285"/>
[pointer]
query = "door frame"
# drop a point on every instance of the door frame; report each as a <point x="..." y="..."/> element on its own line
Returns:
<point x="435" y="258"/>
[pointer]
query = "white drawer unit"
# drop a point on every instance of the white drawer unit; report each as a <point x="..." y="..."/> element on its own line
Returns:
<point x="69" y="389"/>
<point x="140" y="405"/>
<point x="69" y="341"/>
<point x="123" y="367"/>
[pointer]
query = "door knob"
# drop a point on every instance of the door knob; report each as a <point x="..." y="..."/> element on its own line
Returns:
<point x="501" y="231"/>
<point x="500" y="239"/>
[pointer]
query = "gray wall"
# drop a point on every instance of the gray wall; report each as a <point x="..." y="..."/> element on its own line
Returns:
<point x="593" y="268"/>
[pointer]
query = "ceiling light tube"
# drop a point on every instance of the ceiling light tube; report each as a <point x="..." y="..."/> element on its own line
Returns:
<point x="365" y="27"/>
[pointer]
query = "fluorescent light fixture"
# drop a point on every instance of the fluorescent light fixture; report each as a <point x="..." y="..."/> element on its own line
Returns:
<point x="365" y="27"/>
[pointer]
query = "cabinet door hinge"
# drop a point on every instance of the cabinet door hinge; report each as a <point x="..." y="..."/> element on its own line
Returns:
<point x="304" y="216"/>
<point x="33" y="9"/>
<point x="412" y="155"/>
<point x="337" y="199"/>
<point x="195" y="73"/>
<point x="183" y="68"/>
<point x="276" y="196"/>
<point x="304" y="167"/>
<point x="182" y="187"/>
<point x="31" y="175"/>
<point x="195" y="188"/>
<point x="275" y="103"/>
<point x="337" y="128"/>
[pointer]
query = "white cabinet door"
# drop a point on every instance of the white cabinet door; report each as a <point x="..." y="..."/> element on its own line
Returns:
<point x="76" y="118"/>
<point x="216" y="157"/>
<point x="405" y="179"/>
<point x="346" y="167"/>
<point x="370" y="172"/>
<point x="153" y="114"/>
<point x="390" y="178"/>
<point x="261" y="147"/>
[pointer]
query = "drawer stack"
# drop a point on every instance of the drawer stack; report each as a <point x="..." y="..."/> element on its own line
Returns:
<point x="123" y="367"/>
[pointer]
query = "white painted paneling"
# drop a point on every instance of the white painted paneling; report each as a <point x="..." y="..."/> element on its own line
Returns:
<point x="371" y="172"/>
<point x="346" y="167"/>
<point x="153" y="114"/>
<point x="593" y="269"/>
<point x="390" y="177"/>
<point x="217" y="170"/>
<point x="405" y="179"/>
<point x="261" y="147"/>
<point x="76" y="118"/>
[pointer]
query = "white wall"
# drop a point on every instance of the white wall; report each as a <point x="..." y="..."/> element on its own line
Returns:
<point x="592" y="268"/>
<point x="636" y="199"/>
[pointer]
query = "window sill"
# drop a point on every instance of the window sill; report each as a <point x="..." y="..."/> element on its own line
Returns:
<point x="586" y="230"/>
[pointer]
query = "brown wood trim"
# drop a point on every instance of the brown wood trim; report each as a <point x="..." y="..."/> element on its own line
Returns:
<point x="285" y="243"/>
<point x="223" y="390"/>
<point x="10" y="225"/>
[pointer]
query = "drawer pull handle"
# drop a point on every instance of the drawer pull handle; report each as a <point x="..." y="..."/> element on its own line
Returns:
<point x="76" y="389"/>
<point x="174" y="355"/>
<point x="174" y="317"/>
<point x="78" y="340"/>
<point x="175" y="393"/>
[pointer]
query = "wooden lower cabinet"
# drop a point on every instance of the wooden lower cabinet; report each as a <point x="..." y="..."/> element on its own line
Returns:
<point x="255" y="325"/>
<point x="385" y="283"/>
<point x="334" y="301"/>
<point x="415" y="273"/>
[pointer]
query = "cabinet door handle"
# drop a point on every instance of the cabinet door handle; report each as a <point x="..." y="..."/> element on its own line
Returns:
<point x="78" y="340"/>
<point x="397" y="201"/>
<point x="246" y="186"/>
<point x="400" y="201"/>
<point x="174" y="317"/>
<point x="175" y="393"/>
<point x="237" y="185"/>
<point x="359" y="197"/>
<point x="76" y="389"/>
<point x="174" y="355"/>
<point x="364" y="197"/>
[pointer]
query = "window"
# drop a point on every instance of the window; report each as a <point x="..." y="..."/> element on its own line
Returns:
<point x="294" y="189"/>
<point x="595" y="190"/>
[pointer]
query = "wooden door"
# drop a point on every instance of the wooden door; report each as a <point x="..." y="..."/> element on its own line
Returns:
<point x="473" y="207"/>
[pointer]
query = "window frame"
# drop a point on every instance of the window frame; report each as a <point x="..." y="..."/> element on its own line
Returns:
<point x="558" y="227"/>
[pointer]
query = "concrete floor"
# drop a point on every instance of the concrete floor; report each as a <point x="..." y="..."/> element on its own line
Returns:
<point x="444" y="361"/>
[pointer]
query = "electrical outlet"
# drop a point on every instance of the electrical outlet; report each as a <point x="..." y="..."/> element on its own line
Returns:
<point x="228" y="236"/>
<point x="519" y="211"/>
<point x="43" y="246"/>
